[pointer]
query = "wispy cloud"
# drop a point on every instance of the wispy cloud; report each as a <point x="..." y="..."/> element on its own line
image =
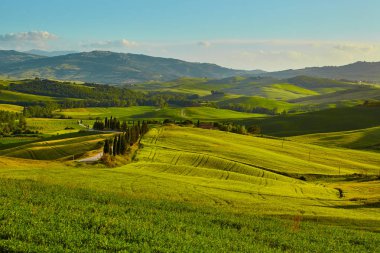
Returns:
<point x="27" y="40"/>
<point x="36" y="36"/>
<point x="110" y="44"/>
<point x="204" y="43"/>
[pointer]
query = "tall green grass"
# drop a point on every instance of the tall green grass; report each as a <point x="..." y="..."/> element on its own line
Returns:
<point x="37" y="217"/>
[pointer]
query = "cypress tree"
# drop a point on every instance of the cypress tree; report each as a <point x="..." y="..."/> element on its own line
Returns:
<point x="119" y="151"/>
<point x="115" y="146"/>
<point x="124" y="126"/>
<point x="123" y="145"/>
<point x="106" y="122"/>
<point x="106" y="148"/>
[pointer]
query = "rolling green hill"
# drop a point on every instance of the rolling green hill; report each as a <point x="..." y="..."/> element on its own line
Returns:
<point x="330" y="120"/>
<point x="255" y="101"/>
<point x="355" y="95"/>
<point x="367" y="139"/>
<point x="17" y="97"/>
<point x="278" y="89"/>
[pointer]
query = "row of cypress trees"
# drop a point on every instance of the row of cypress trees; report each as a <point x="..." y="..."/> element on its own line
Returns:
<point x="120" y="144"/>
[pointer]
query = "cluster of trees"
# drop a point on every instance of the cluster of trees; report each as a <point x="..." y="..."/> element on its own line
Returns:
<point x="116" y="146"/>
<point x="236" y="128"/>
<point x="41" y="111"/>
<point x="230" y="127"/>
<point x="372" y="103"/>
<point x="13" y="123"/>
<point x="121" y="142"/>
<point x="251" y="109"/>
<point x="110" y="124"/>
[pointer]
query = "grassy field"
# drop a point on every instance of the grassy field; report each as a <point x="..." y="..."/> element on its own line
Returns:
<point x="150" y="112"/>
<point x="88" y="221"/>
<point x="56" y="126"/>
<point x="14" y="97"/>
<point x="330" y="120"/>
<point x="192" y="189"/>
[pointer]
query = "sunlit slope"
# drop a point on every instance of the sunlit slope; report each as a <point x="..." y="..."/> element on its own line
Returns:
<point x="255" y="101"/>
<point x="64" y="146"/>
<point x="367" y="139"/>
<point x="204" y="168"/>
<point x="354" y="95"/>
<point x="210" y="148"/>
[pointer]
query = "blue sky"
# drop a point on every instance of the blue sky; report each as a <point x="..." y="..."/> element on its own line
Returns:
<point x="247" y="34"/>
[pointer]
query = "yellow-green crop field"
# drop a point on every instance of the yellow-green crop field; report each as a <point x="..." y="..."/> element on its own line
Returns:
<point x="191" y="189"/>
<point x="11" y="108"/>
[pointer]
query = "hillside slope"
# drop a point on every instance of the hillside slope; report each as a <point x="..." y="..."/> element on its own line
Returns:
<point x="108" y="67"/>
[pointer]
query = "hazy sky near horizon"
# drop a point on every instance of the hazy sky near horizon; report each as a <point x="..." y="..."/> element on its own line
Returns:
<point x="243" y="34"/>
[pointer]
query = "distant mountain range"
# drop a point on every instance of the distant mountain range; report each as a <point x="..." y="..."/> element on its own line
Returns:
<point x="108" y="67"/>
<point x="358" y="71"/>
<point x="120" y="68"/>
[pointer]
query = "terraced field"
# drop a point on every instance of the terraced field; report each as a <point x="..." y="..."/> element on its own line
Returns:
<point x="60" y="147"/>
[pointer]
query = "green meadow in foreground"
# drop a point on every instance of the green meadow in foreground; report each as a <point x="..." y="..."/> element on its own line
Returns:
<point x="39" y="217"/>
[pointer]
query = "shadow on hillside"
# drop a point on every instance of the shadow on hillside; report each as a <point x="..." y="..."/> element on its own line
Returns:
<point x="358" y="206"/>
